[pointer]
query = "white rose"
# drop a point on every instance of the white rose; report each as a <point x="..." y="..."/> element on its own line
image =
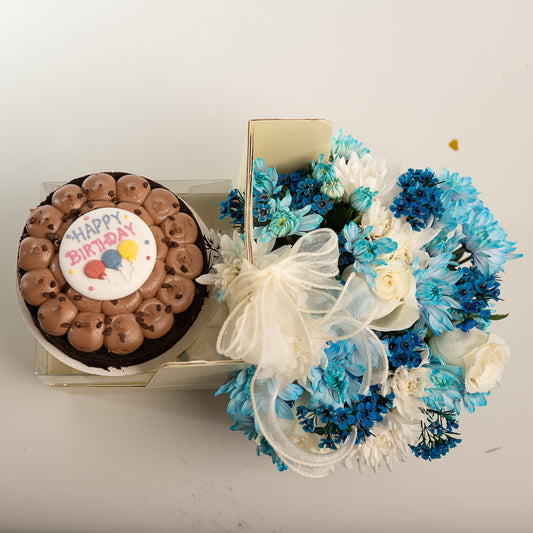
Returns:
<point x="395" y="292"/>
<point x="480" y="355"/>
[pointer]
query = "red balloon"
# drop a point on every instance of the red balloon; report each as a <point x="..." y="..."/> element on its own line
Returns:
<point x="95" y="269"/>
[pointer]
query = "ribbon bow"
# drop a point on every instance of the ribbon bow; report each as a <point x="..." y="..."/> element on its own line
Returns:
<point x="281" y="318"/>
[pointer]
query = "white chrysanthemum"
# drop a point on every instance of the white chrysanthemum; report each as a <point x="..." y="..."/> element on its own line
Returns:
<point x="231" y="254"/>
<point x="380" y="217"/>
<point x="409" y="387"/>
<point x="389" y="443"/>
<point x="409" y="242"/>
<point x="366" y="171"/>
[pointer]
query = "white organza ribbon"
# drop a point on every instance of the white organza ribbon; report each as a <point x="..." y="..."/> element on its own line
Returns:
<point x="281" y="317"/>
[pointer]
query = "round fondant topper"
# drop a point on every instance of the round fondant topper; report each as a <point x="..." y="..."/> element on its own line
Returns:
<point x="107" y="253"/>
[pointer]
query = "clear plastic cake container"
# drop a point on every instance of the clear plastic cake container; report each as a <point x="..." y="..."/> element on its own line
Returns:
<point x="199" y="366"/>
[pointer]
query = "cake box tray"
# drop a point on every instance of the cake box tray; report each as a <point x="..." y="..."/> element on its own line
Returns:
<point x="199" y="366"/>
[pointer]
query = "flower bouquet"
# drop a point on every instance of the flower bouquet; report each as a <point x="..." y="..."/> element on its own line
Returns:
<point x="362" y="296"/>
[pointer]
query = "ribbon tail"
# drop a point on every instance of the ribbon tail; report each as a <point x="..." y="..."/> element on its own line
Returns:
<point x="303" y="462"/>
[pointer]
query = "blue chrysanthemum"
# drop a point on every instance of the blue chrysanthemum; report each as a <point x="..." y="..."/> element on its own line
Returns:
<point x="357" y="249"/>
<point x="346" y="145"/>
<point x="435" y="291"/>
<point x="339" y="383"/>
<point x="286" y="221"/>
<point x="487" y="242"/>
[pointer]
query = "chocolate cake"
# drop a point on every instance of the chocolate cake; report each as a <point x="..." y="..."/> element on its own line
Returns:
<point x="107" y="267"/>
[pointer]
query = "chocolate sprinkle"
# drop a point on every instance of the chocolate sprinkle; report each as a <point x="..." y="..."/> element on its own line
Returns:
<point x="114" y="302"/>
<point x="53" y="284"/>
<point x="99" y="324"/>
<point x="178" y="296"/>
<point x="80" y="195"/>
<point x="50" y="226"/>
<point x="111" y="193"/>
<point x="166" y="286"/>
<point x="122" y="337"/>
<point x="62" y="299"/>
<point x="90" y="204"/>
<point x="107" y="331"/>
<point x="151" y="328"/>
<point x="77" y="297"/>
<point x="174" y="244"/>
<point x="165" y="240"/>
<point x="158" y="307"/>
<point x="137" y="211"/>
<point x="44" y="247"/>
<point x="184" y="269"/>
<point x="172" y="232"/>
<point x="168" y="309"/>
<point x="145" y="185"/>
<point x="67" y="324"/>
<point x="140" y="313"/>
<point x="139" y="319"/>
<point x="175" y="204"/>
<point x="144" y="326"/>
<point x="108" y="320"/>
<point x="64" y="218"/>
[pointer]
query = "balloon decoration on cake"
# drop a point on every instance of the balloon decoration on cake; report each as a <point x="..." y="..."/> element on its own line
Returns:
<point x="107" y="254"/>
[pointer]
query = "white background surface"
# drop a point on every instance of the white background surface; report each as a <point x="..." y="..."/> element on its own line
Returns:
<point x="164" y="89"/>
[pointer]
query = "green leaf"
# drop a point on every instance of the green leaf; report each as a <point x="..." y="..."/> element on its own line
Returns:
<point x="498" y="317"/>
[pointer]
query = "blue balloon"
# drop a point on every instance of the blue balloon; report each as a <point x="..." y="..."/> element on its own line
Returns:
<point x="112" y="259"/>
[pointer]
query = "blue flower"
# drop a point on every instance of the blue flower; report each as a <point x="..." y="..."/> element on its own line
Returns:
<point x="420" y="198"/>
<point x="458" y="198"/>
<point x="357" y="249"/>
<point x="435" y="290"/>
<point x="340" y="382"/>
<point x="361" y="199"/>
<point x="233" y="207"/>
<point x="346" y="145"/>
<point x="264" y="212"/>
<point x="405" y="349"/>
<point x="335" y="424"/>
<point x="487" y="242"/>
<point x="442" y="243"/>
<point x="474" y="292"/>
<point x="447" y="388"/>
<point x="265" y="181"/>
<point x="286" y="222"/>
<point x="323" y="172"/>
<point x="438" y="435"/>
<point x="321" y="204"/>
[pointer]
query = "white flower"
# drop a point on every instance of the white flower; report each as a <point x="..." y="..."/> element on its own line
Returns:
<point x="480" y="355"/>
<point x="389" y="442"/>
<point x="409" y="242"/>
<point x="409" y="387"/>
<point x="366" y="171"/>
<point x="231" y="254"/>
<point x="395" y="292"/>
<point x="380" y="217"/>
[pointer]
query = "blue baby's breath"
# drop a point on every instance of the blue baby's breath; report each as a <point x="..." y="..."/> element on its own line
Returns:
<point x="420" y="198"/>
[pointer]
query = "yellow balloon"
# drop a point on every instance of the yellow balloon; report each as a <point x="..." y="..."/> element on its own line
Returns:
<point x="128" y="250"/>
